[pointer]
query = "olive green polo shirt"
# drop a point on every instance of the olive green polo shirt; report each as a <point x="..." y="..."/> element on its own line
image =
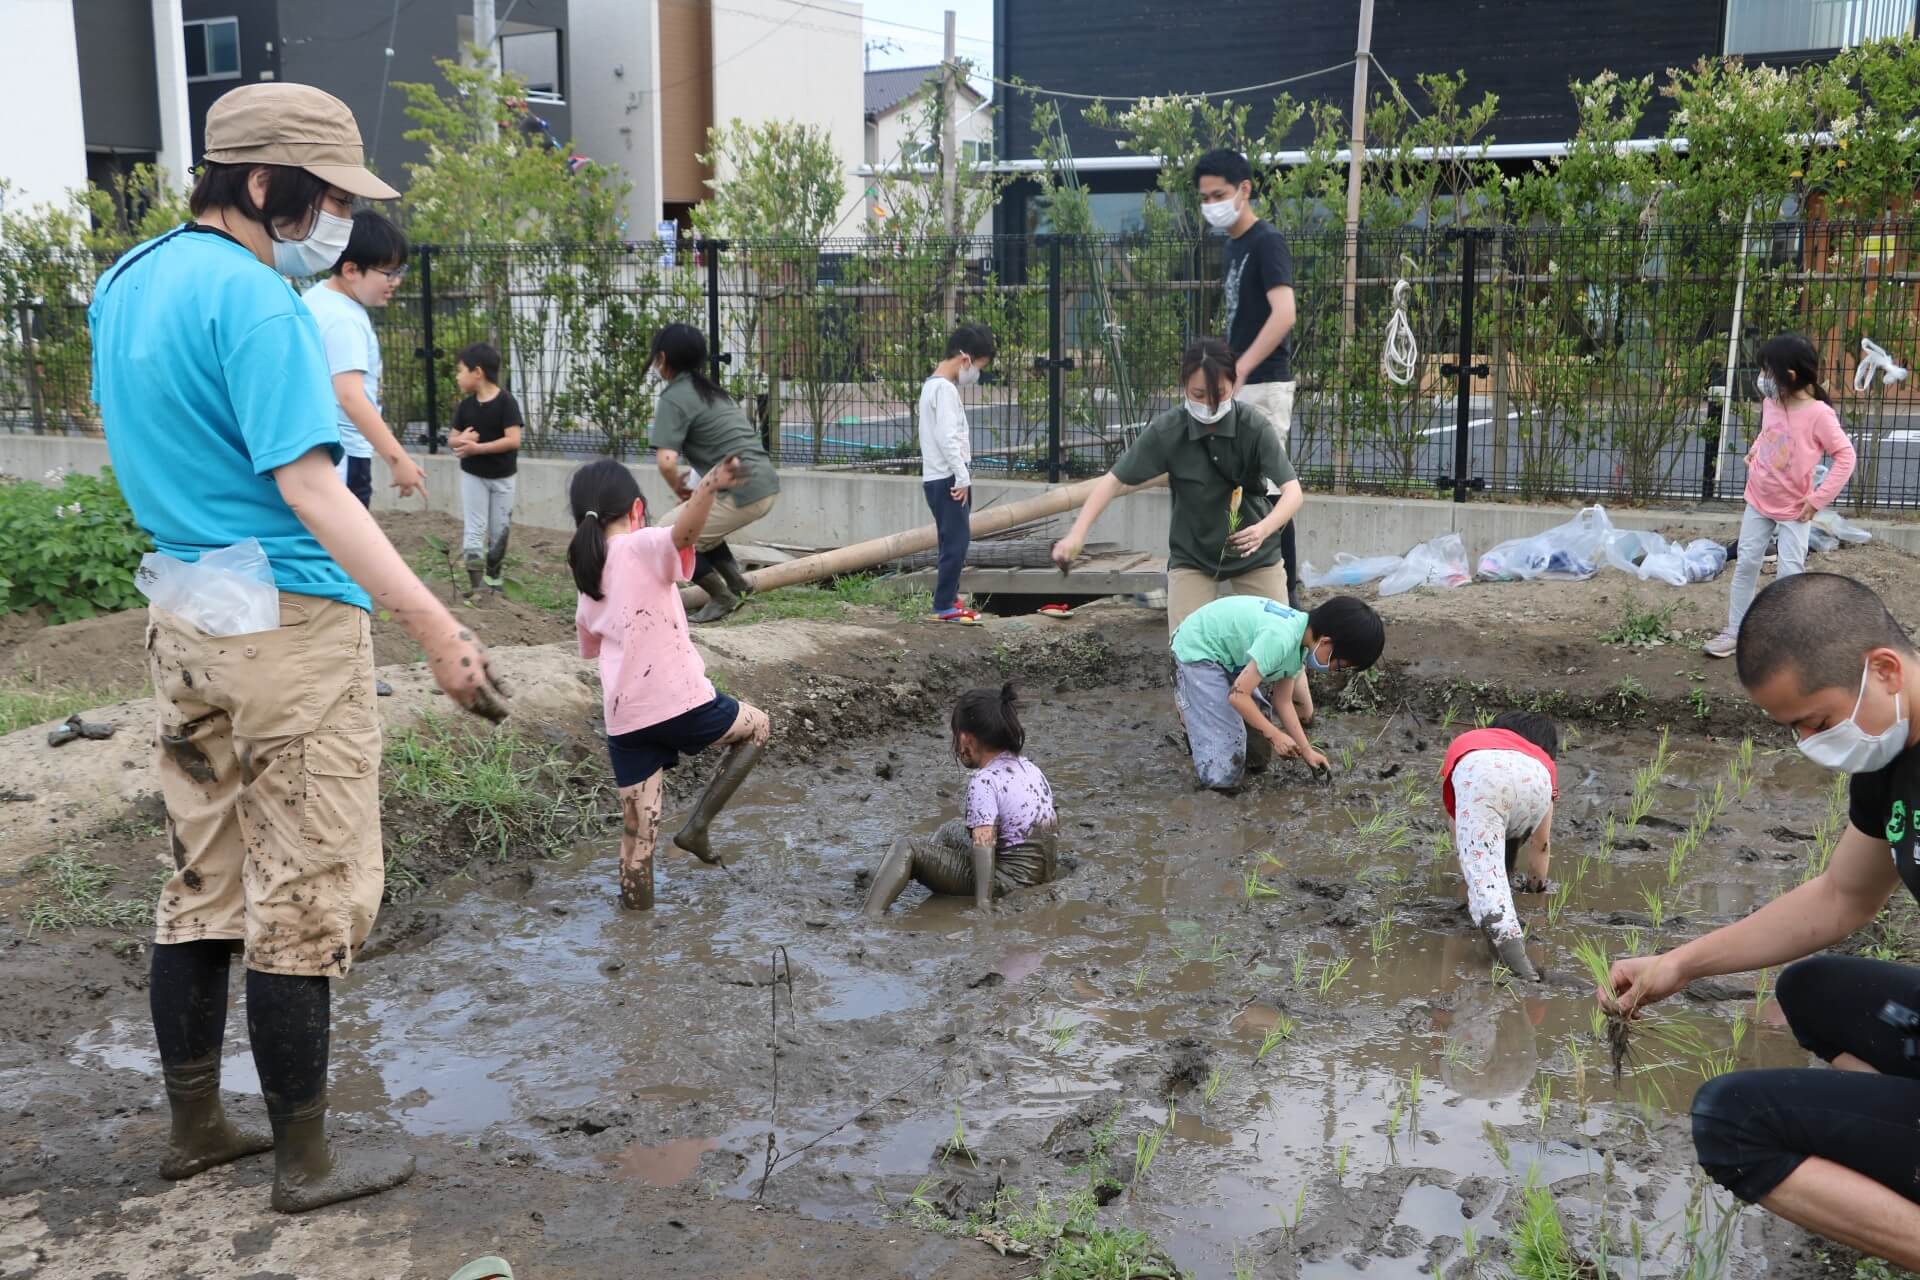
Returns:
<point x="708" y="434"/>
<point x="1203" y="466"/>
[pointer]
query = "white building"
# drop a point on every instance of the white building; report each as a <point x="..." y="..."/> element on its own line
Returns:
<point x="897" y="99"/>
<point x="651" y="76"/>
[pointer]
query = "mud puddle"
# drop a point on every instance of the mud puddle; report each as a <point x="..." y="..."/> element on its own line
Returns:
<point x="1341" y="1082"/>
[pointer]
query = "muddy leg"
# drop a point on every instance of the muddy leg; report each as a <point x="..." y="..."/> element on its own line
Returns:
<point x="187" y="987"/>
<point x="890" y="879"/>
<point x="747" y="740"/>
<point x="639" y="825"/>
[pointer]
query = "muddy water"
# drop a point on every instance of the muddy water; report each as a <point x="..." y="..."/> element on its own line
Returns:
<point x="536" y="1019"/>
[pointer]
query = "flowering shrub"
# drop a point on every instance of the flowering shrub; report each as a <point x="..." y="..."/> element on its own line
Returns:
<point x="69" y="545"/>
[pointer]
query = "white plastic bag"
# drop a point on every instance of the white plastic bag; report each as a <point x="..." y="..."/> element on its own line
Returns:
<point x="1830" y="529"/>
<point x="228" y="592"/>
<point x="1704" y="559"/>
<point x="1437" y="562"/>
<point x="1349" y="570"/>
<point x="1566" y="552"/>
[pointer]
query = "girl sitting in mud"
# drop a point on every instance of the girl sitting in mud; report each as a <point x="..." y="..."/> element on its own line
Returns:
<point x="1006" y="839"/>
<point x="659" y="702"/>
<point x="1498" y="786"/>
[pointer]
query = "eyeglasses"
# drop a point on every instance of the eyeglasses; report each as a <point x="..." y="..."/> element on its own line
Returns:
<point x="395" y="274"/>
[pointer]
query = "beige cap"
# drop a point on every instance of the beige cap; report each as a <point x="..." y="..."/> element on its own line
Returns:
<point x="293" y="124"/>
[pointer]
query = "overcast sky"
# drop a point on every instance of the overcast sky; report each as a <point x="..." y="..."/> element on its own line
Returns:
<point x="914" y="26"/>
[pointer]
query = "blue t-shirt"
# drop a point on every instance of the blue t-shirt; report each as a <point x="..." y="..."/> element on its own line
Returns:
<point x="209" y="375"/>
<point x="346" y="331"/>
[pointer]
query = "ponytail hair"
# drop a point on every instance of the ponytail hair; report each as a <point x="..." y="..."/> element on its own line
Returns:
<point x="1794" y="363"/>
<point x="990" y="715"/>
<point x="685" y="349"/>
<point x="599" y="493"/>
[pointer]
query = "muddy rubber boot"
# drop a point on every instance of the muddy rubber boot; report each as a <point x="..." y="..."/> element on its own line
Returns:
<point x="1512" y="952"/>
<point x="891" y="880"/>
<point x="733" y="771"/>
<point x="722" y="559"/>
<point x="473" y="579"/>
<point x="720" y="598"/>
<point x="308" y="1173"/>
<point x="202" y="1135"/>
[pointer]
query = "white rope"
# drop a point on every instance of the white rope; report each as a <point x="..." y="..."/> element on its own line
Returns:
<point x="1875" y="360"/>
<point x="1400" y="354"/>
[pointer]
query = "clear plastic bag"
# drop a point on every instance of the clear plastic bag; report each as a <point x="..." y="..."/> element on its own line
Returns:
<point x="1830" y="529"/>
<point x="228" y="592"/>
<point x="1349" y="570"/>
<point x="1438" y="562"/>
<point x="1704" y="559"/>
<point x="1567" y="552"/>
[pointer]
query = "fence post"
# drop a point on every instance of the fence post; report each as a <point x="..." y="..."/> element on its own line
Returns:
<point x="429" y="356"/>
<point x="1497" y="352"/>
<point x="35" y="393"/>
<point x="1465" y="370"/>
<point x="1055" y="362"/>
<point x="710" y="254"/>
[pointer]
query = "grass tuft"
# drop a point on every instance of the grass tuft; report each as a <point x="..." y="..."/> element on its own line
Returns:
<point x="74" y="895"/>
<point x="23" y="706"/>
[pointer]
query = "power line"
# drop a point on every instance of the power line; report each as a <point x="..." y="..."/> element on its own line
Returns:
<point x="887" y="22"/>
<point x="740" y="52"/>
<point x="1209" y="93"/>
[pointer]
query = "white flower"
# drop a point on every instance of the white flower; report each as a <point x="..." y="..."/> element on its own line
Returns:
<point x="55" y="475"/>
<point x="74" y="510"/>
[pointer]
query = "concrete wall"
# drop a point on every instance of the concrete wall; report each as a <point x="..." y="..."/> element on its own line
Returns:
<point x="43" y="151"/>
<point x="773" y="61"/>
<point x="833" y="508"/>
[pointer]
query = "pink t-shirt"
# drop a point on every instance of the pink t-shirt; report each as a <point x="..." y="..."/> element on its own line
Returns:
<point x="649" y="669"/>
<point x="1792" y="440"/>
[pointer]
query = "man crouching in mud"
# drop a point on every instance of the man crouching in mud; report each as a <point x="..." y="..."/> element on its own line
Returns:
<point x="220" y="420"/>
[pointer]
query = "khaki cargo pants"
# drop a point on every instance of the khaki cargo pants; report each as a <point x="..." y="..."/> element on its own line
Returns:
<point x="725" y="518"/>
<point x="269" y="751"/>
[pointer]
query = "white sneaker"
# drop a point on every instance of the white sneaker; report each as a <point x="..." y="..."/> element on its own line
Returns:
<point x="1723" y="645"/>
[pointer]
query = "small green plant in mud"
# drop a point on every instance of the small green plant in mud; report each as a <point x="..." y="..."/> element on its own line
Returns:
<point x="1544" y="1101"/>
<point x="1497" y="1141"/>
<point x="1065" y="1238"/>
<point x="1254" y="887"/>
<point x="1617" y="1027"/>
<point x="1281" y="1030"/>
<point x="1448" y="715"/>
<point x="1826" y="834"/>
<point x="1537" y="1244"/>
<point x="1557" y="900"/>
<point x="956" y="1143"/>
<point x="1626" y="698"/>
<point x="1146" y="1148"/>
<point x="1702" y="705"/>
<point x="1139" y="976"/>
<point x="1483" y="719"/>
<point x="494" y="793"/>
<point x="1060" y="1033"/>
<point x="1645" y="779"/>
<point x="1332" y="971"/>
<point x="1243" y="1264"/>
<point x="1380" y="937"/>
<point x="1340" y="1163"/>
<point x="1216" y="1081"/>
<point x="1740" y="770"/>
<point x="74" y="893"/>
<point x="1695" y="1050"/>
<point x="1299" y="968"/>
<point x="1290" y="1224"/>
<point x="1642" y="628"/>
<point x="1362" y="692"/>
<point x="1656" y="905"/>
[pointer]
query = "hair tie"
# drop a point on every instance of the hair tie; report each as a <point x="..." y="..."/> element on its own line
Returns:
<point x="592" y="515"/>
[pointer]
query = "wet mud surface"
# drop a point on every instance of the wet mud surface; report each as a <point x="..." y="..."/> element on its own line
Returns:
<point x="530" y="1035"/>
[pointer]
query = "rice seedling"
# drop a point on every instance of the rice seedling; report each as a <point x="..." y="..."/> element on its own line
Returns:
<point x="1447" y="717"/>
<point x="1290" y="1227"/>
<point x="1691" y="1044"/>
<point x="1146" y="1147"/>
<point x="1386" y="830"/>
<point x="1393" y="1115"/>
<point x="1593" y="958"/>
<point x="1256" y="888"/>
<point x="1282" y="1029"/>
<point x="1139" y="976"/>
<point x="1557" y="900"/>
<point x="1633" y="939"/>
<point x="1740" y="770"/>
<point x="1216" y="1081"/>
<point x="1060" y="1033"/>
<point x="1707" y="1231"/>
<point x="1827" y="833"/>
<point x="1454" y="1054"/>
<point x="1537" y="1244"/>
<point x="956" y="1143"/>
<point x="1242" y="1265"/>
<point x="1340" y="1164"/>
<point x="1332" y="971"/>
<point x="1762" y="992"/>
<point x="1380" y="937"/>
<point x="1545" y="1102"/>
<point x="1482" y="719"/>
<point x="1645" y="779"/>
<point x="1217" y="949"/>
<point x="1299" y="967"/>
<point x="1346" y="755"/>
<point x="1501" y="976"/>
<point x="1683" y="846"/>
<point x="1498" y="1142"/>
<point x="1606" y="833"/>
<point x="1656" y="905"/>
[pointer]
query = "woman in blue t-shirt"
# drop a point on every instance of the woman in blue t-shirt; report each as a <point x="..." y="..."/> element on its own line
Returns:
<point x="219" y="417"/>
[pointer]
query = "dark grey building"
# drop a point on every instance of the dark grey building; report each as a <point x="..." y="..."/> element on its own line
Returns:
<point x="356" y="49"/>
<point x="1524" y="51"/>
<point x="120" y="94"/>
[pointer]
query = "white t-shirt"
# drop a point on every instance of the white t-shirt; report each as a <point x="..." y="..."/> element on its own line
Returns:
<point x="352" y="346"/>
<point x="945" y="449"/>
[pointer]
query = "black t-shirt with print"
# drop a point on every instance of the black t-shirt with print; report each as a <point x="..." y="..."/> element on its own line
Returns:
<point x="1881" y="804"/>
<point x="490" y="418"/>
<point x="1257" y="260"/>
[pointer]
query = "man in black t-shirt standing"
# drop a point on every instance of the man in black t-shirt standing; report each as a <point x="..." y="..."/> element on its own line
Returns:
<point x="1832" y="1151"/>
<point x="486" y="439"/>
<point x="1259" y="302"/>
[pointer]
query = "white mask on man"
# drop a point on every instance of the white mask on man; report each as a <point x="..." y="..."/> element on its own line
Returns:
<point x="1197" y="409"/>
<point x="1221" y="214"/>
<point x="969" y="375"/>
<point x="318" y="250"/>
<point x="1849" y="748"/>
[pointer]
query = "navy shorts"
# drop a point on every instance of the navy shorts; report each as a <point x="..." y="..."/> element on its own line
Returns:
<point x="642" y="753"/>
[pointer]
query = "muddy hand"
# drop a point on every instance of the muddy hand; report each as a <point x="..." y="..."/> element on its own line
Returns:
<point x="726" y="475"/>
<point x="1637" y="982"/>
<point x="1064" y="552"/>
<point x="460" y="667"/>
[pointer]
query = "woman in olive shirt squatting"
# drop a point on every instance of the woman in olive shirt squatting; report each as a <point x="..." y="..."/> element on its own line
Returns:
<point x="696" y="420"/>
<point x="220" y="417"/>
<point x="1211" y="449"/>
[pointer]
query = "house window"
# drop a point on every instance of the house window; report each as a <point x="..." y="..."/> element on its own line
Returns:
<point x="534" y="56"/>
<point x="1793" y="26"/>
<point x="213" y="49"/>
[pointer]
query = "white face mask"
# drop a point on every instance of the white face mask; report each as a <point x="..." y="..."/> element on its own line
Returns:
<point x="1851" y="749"/>
<point x="1221" y="214"/>
<point x="325" y="241"/>
<point x="1766" y="386"/>
<point x="1205" y="416"/>
<point x="969" y="375"/>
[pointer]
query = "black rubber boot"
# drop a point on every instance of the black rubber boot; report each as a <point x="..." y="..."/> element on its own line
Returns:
<point x="309" y="1173"/>
<point x="720" y="598"/>
<point x="733" y="771"/>
<point x="721" y="557"/>
<point x="473" y="579"/>
<point x="202" y="1136"/>
<point x="1512" y="952"/>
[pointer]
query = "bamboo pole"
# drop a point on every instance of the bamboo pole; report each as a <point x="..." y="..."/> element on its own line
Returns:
<point x="896" y="546"/>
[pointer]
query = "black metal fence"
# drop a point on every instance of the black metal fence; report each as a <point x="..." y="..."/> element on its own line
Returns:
<point x="1553" y="362"/>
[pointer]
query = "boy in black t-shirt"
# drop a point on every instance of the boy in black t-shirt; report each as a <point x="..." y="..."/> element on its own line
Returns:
<point x="486" y="439"/>
<point x="1828" y="1150"/>
<point x="1259" y="306"/>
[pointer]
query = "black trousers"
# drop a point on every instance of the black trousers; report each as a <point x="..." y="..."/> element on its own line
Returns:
<point x="1753" y="1128"/>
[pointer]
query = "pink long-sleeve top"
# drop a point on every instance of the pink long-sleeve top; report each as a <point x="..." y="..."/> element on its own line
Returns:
<point x="1792" y="440"/>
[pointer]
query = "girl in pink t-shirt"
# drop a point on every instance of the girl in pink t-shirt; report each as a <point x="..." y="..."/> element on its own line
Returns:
<point x="1798" y="427"/>
<point x="659" y="703"/>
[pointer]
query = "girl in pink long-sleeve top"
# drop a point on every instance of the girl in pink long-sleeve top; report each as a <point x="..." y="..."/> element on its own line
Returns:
<point x="1798" y="428"/>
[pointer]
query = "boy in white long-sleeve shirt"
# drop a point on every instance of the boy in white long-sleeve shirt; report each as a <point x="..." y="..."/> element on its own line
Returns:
<point x="946" y="453"/>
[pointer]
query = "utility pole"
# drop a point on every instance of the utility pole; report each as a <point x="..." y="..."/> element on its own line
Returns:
<point x="949" y="159"/>
<point x="484" y="27"/>
<point x="1356" y="160"/>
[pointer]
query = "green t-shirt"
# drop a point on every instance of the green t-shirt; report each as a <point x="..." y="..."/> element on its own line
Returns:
<point x="708" y="434"/>
<point x="1236" y="630"/>
<point x="1203" y="466"/>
